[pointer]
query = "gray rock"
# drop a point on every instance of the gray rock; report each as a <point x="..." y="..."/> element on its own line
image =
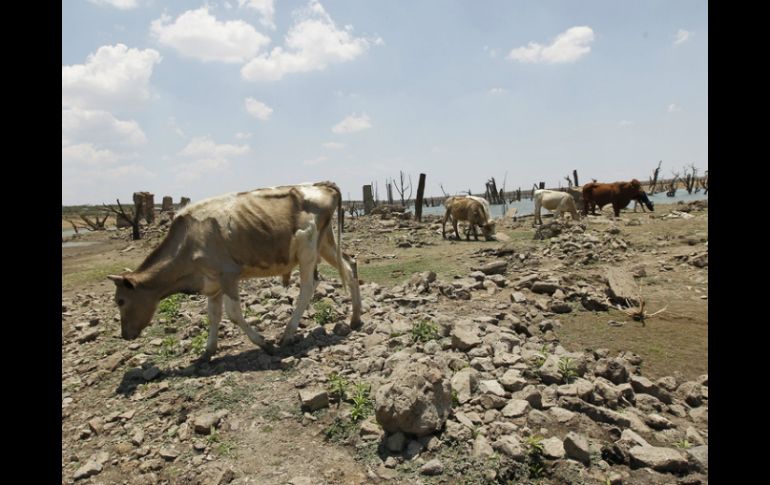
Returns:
<point x="491" y="386"/>
<point x="561" y="415"/>
<point x="416" y="399"/>
<point x="396" y="442"/>
<point x="576" y="446"/>
<point x="693" y="436"/>
<point x="596" y="413"/>
<point x="464" y="383"/>
<point x="168" y="454"/>
<point x="553" y="448"/>
<point x="465" y="337"/>
<point x="512" y="380"/>
<point x="614" y="370"/>
<point x="643" y="385"/>
<point x="659" y="459"/>
<point x="691" y="392"/>
<point x="560" y="307"/>
<point x="545" y="287"/>
<point x="668" y="383"/>
<point x="515" y="408"/>
<point x="93" y="466"/>
<point x="531" y="395"/>
<point x="656" y="421"/>
<point x="518" y="297"/>
<point x="481" y="447"/>
<point x="699" y="457"/>
<point x="457" y="432"/>
<point x="313" y="399"/>
<point x="203" y="423"/>
<point x="510" y="446"/>
<point x="433" y="467"/>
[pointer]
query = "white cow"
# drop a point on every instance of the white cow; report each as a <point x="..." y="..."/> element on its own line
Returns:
<point x="555" y="201"/>
<point x="217" y="242"/>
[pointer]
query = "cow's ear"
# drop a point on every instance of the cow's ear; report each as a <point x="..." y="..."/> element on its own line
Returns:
<point x="121" y="281"/>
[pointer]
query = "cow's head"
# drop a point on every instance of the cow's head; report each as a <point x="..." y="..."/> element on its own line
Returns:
<point x="643" y="199"/>
<point x="488" y="230"/>
<point x="136" y="304"/>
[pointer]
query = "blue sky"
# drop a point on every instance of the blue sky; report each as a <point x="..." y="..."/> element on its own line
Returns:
<point x="201" y="98"/>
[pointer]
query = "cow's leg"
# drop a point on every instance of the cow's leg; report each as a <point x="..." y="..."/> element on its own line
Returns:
<point x="443" y="224"/>
<point x="215" y="316"/>
<point x="454" y="225"/>
<point x="285" y="279"/>
<point x="537" y="218"/>
<point x="329" y="254"/>
<point x="233" y="309"/>
<point x="616" y="207"/>
<point x="307" y="254"/>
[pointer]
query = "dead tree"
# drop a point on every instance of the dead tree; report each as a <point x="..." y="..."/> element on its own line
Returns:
<point x="574" y="174"/>
<point x="691" y="175"/>
<point x="704" y="183"/>
<point x="368" y="199"/>
<point x="654" y="179"/>
<point x="418" y="202"/>
<point x="74" y="226"/>
<point x="401" y="188"/>
<point x="443" y="191"/>
<point x="569" y="181"/>
<point x="133" y="218"/>
<point x="672" y="186"/>
<point x="389" y="187"/>
<point x="95" y="225"/>
<point x="492" y="194"/>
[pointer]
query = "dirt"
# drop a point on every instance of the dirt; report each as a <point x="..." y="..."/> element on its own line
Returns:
<point x="266" y="437"/>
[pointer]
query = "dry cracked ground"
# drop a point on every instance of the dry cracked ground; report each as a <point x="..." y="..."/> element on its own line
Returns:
<point x="479" y="362"/>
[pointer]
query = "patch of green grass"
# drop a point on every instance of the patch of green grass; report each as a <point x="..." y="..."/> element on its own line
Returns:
<point x="231" y="395"/>
<point x="340" y="430"/>
<point x="338" y="387"/>
<point x="363" y="404"/>
<point x="535" y="465"/>
<point x="169" y="307"/>
<point x="567" y="370"/>
<point x="198" y="344"/>
<point x="683" y="443"/>
<point x="324" y="312"/>
<point x="168" y="348"/>
<point x="221" y="446"/>
<point x="424" y="331"/>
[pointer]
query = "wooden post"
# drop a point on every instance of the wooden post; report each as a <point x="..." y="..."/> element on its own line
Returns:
<point x="168" y="204"/>
<point x="542" y="185"/>
<point x="390" y="193"/>
<point x="574" y="175"/>
<point x="418" y="202"/>
<point x="368" y="199"/>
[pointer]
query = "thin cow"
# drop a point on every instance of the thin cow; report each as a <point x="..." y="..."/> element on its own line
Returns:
<point x="619" y="194"/>
<point x="470" y="210"/>
<point x="556" y="201"/>
<point x="215" y="243"/>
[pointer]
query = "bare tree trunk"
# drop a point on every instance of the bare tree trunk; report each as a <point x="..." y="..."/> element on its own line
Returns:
<point x="418" y="202"/>
<point x="368" y="199"/>
<point x="654" y="180"/>
<point x="133" y="219"/>
<point x="574" y="174"/>
<point x="401" y="188"/>
<point x="390" y="192"/>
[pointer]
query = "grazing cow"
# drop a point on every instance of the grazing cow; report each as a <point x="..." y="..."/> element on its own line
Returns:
<point x="471" y="210"/>
<point x="619" y="194"/>
<point x="556" y="201"/>
<point x="215" y="243"/>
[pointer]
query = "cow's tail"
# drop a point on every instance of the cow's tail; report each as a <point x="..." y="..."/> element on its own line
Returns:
<point x="340" y="222"/>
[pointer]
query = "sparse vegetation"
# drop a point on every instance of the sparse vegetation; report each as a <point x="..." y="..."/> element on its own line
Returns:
<point x="338" y="387"/>
<point x="169" y="307"/>
<point x="424" y="330"/>
<point x="198" y="344"/>
<point x="324" y="312"/>
<point x="567" y="370"/>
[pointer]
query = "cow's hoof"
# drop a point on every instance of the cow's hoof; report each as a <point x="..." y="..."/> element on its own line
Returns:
<point x="203" y="359"/>
<point x="287" y="341"/>
<point x="356" y="324"/>
<point x="269" y="348"/>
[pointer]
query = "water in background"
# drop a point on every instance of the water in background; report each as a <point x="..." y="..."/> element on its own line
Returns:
<point x="527" y="207"/>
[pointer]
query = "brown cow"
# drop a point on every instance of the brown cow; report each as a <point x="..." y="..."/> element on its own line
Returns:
<point x="217" y="242"/>
<point x="619" y="194"/>
<point x="470" y="210"/>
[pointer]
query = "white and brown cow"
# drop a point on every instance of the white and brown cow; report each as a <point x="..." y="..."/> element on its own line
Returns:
<point x="471" y="210"/>
<point x="215" y="243"/>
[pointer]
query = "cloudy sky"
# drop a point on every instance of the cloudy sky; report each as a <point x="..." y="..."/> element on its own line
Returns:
<point x="200" y="98"/>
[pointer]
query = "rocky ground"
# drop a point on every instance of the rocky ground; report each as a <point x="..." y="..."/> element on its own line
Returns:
<point x="468" y="369"/>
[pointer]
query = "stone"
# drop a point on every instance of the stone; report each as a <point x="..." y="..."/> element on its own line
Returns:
<point x="553" y="448"/>
<point x="465" y="337"/>
<point x="93" y="466"/>
<point x="313" y="399"/>
<point x="576" y="447"/>
<point x="395" y="442"/>
<point x="510" y="446"/>
<point x="515" y="408"/>
<point x="659" y="459"/>
<point x="431" y="468"/>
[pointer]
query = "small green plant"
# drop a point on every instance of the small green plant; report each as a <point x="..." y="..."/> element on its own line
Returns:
<point x="424" y="331"/>
<point x="169" y="307"/>
<point x="567" y="370"/>
<point x="363" y="405"/>
<point x="324" y="312"/>
<point x="338" y="387"/>
<point x="199" y="342"/>
<point x="535" y="456"/>
<point x="340" y="430"/>
<point x="168" y="347"/>
<point x="455" y="399"/>
<point x="684" y="444"/>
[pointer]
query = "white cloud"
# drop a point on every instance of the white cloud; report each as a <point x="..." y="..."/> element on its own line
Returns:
<point x="119" y="4"/>
<point x="491" y="51"/>
<point x="115" y="76"/>
<point x="315" y="161"/>
<point x="242" y="136"/>
<point x="86" y="154"/>
<point x="207" y="157"/>
<point x="175" y="127"/>
<point x="199" y="35"/>
<point x="312" y="43"/>
<point x="569" y="46"/>
<point x="626" y="123"/>
<point x="100" y="128"/>
<point x="498" y="91"/>
<point x="258" y="109"/>
<point x="265" y="8"/>
<point x="673" y="108"/>
<point x="333" y="145"/>
<point x="352" y="124"/>
<point x="204" y="147"/>
<point x="683" y="36"/>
